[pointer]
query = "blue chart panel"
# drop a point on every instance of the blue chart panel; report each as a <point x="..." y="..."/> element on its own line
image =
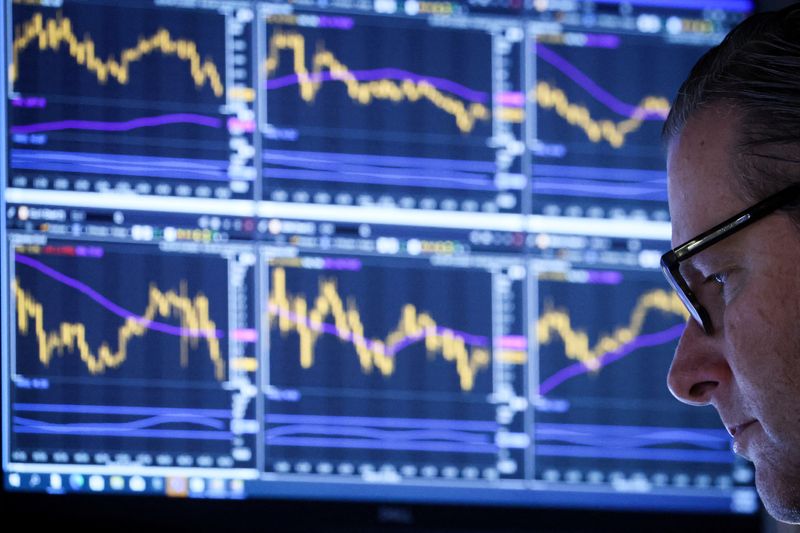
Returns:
<point x="602" y="369"/>
<point x="131" y="99"/>
<point x="377" y="107"/>
<point x="110" y="363"/>
<point x="399" y="380"/>
<point x="599" y="108"/>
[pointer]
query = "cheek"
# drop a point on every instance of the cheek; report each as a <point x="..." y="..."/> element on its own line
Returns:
<point x="779" y="315"/>
<point x="752" y="339"/>
<point x="762" y="346"/>
<point x="742" y="347"/>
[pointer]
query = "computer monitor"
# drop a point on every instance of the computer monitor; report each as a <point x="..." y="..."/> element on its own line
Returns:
<point x="394" y="257"/>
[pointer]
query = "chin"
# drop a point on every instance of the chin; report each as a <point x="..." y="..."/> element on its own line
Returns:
<point x="780" y="492"/>
<point x="782" y="513"/>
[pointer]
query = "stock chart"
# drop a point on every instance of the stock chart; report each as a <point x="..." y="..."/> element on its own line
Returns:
<point x="603" y="372"/>
<point x="353" y="121"/>
<point x="598" y="127"/>
<point x="139" y="365"/>
<point x="147" y="103"/>
<point x="400" y="381"/>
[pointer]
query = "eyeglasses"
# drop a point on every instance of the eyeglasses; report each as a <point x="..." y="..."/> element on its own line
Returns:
<point x="670" y="261"/>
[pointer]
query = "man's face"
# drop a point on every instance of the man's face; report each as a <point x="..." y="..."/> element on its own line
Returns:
<point x="749" y="369"/>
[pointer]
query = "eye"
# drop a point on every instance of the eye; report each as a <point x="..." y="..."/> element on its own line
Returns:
<point x="720" y="278"/>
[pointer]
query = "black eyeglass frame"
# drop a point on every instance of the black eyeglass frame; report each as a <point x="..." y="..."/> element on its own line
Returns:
<point x="670" y="261"/>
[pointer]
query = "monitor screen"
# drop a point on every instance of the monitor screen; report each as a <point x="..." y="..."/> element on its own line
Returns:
<point x="396" y="252"/>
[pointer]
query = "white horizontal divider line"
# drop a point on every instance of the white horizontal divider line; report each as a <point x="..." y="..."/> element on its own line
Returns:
<point x="596" y="227"/>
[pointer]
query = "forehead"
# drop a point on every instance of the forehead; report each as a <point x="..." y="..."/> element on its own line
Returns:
<point x="701" y="175"/>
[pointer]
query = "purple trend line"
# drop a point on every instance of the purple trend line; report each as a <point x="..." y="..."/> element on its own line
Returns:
<point x="123" y="426"/>
<point x="119" y="410"/>
<point x="108" y="304"/>
<point x="172" y="434"/>
<point x="320" y="442"/>
<point x="378" y="434"/>
<point x="366" y="421"/>
<point x="386" y="73"/>
<point x="642" y="341"/>
<point x="603" y="96"/>
<point x="473" y="340"/>
<point x="142" y="122"/>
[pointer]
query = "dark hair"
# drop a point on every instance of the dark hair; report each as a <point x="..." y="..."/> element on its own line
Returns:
<point x="755" y="73"/>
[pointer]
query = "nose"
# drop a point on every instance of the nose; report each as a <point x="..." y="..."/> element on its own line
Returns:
<point x="698" y="368"/>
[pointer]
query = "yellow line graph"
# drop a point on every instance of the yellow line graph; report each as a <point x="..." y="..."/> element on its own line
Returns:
<point x="71" y="336"/>
<point x="292" y="314"/>
<point x="365" y="92"/>
<point x="52" y="33"/>
<point x="614" y="133"/>
<point x="557" y="323"/>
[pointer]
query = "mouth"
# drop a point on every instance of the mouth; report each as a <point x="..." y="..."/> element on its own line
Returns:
<point x="738" y="432"/>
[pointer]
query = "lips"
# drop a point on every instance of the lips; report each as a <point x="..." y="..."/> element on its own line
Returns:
<point x="740" y="438"/>
<point x="736" y="430"/>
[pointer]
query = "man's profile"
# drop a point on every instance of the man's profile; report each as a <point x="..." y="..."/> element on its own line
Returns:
<point x="733" y="137"/>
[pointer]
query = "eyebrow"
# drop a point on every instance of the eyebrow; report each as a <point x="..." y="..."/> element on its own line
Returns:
<point x="721" y="252"/>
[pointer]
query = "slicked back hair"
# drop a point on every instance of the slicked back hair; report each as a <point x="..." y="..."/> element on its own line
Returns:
<point x="755" y="74"/>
